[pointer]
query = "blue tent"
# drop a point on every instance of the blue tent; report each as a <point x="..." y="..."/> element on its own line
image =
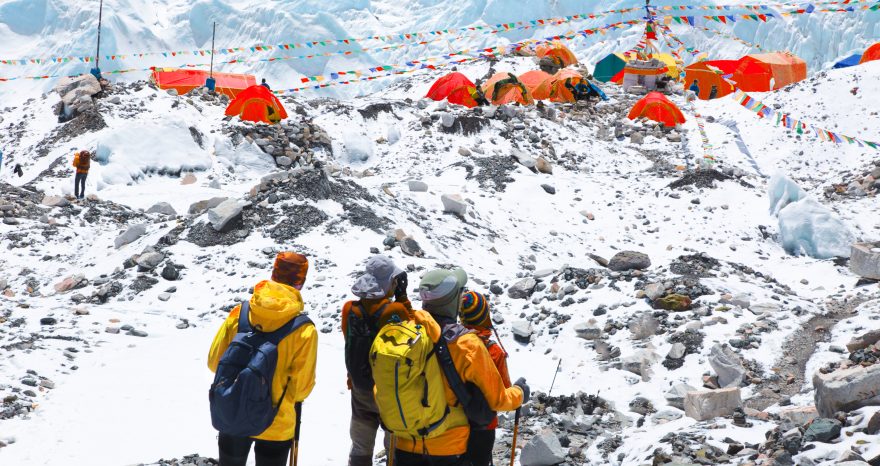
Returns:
<point x="598" y="91"/>
<point x="851" y="60"/>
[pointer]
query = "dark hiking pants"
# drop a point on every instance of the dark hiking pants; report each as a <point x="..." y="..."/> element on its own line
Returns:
<point x="79" y="185"/>
<point x="404" y="458"/>
<point x="234" y="451"/>
<point x="365" y="423"/>
<point x="480" y="445"/>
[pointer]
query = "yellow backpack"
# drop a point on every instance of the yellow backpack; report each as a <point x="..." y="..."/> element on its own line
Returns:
<point x="410" y="391"/>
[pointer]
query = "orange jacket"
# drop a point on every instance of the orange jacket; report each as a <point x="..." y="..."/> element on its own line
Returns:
<point x="402" y="309"/>
<point x="499" y="357"/>
<point x="474" y="364"/>
<point x="273" y="305"/>
<point x="82" y="164"/>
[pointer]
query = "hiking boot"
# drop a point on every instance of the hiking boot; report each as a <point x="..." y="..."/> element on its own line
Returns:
<point x="360" y="461"/>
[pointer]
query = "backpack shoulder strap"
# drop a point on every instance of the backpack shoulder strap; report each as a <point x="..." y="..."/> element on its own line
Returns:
<point x="244" y="323"/>
<point x="288" y="328"/>
<point x="447" y="365"/>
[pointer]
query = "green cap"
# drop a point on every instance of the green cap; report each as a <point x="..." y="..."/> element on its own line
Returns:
<point x="440" y="291"/>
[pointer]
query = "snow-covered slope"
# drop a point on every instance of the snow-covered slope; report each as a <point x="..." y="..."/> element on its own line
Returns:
<point x="119" y="399"/>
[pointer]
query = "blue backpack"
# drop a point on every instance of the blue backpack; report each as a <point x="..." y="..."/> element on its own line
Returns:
<point x="241" y="394"/>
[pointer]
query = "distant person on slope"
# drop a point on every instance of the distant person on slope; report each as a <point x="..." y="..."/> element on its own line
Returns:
<point x="476" y="316"/>
<point x="265" y="84"/>
<point x="17" y="170"/>
<point x="478" y="95"/>
<point x="443" y="361"/>
<point x="273" y="313"/>
<point x="695" y="89"/>
<point x="82" y="161"/>
<point x="713" y="93"/>
<point x="361" y="321"/>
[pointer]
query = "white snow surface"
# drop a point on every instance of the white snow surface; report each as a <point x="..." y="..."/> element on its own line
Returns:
<point x="126" y="400"/>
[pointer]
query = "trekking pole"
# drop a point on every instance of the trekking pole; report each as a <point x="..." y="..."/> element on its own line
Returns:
<point x="392" y="449"/>
<point x="554" y="377"/>
<point x="294" y="457"/>
<point x="515" y="434"/>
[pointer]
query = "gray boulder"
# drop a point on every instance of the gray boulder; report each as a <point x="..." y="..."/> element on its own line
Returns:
<point x="543" y="449"/>
<point x="74" y="89"/>
<point x="847" y="389"/>
<point x="864" y="260"/>
<point x="522" y="331"/>
<point x="411" y="247"/>
<point x="197" y="208"/>
<point x="447" y="119"/>
<point x="727" y="365"/>
<point x="822" y="430"/>
<point x="522" y="289"/>
<point x="703" y="405"/>
<point x="524" y="159"/>
<point x="629" y="260"/>
<point x="454" y="204"/>
<point x="863" y="341"/>
<point x="222" y="216"/>
<point x="640" y="363"/>
<point x="150" y="260"/>
<point x="675" y="395"/>
<point x="418" y="186"/>
<point x="129" y="236"/>
<point x="163" y="208"/>
<point x="588" y="331"/>
<point x="55" y="201"/>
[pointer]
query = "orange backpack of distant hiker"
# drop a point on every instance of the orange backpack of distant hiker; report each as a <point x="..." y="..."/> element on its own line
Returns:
<point x="82" y="162"/>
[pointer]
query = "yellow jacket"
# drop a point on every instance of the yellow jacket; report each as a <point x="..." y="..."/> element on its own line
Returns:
<point x="273" y="305"/>
<point x="474" y="364"/>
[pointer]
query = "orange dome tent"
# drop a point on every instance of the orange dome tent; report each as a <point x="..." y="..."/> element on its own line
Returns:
<point x="560" y="92"/>
<point x="655" y="106"/>
<point x="558" y="51"/>
<point x="257" y="104"/>
<point x="873" y="53"/>
<point x="755" y="71"/>
<point x="184" y="81"/>
<point x="455" y="88"/>
<point x="538" y="83"/>
<point x="510" y="90"/>
<point x="707" y="77"/>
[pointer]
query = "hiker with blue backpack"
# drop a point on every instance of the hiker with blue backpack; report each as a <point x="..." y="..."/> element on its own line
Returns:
<point x="361" y="321"/>
<point x="264" y="358"/>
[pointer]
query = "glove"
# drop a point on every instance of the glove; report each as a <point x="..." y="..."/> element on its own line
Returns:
<point x="527" y="393"/>
<point x="400" y="291"/>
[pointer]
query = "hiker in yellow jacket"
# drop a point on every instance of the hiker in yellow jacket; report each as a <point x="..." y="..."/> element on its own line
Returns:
<point x="441" y="292"/>
<point x="274" y="303"/>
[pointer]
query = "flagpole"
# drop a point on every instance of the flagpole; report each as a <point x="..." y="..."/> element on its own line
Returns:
<point x="211" y="83"/>
<point x="96" y="71"/>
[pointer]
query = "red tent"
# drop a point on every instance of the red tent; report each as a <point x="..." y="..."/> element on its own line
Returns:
<point x="184" y="81"/>
<point x="455" y="88"/>
<point x="655" y="106"/>
<point x="706" y="76"/>
<point x="755" y="71"/>
<point x="257" y="104"/>
<point x="873" y="53"/>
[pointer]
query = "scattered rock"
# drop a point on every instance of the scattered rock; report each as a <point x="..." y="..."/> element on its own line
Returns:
<point x="588" y="330"/>
<point x="822" y="430"/>
<point x="48" y="321"/>
<point x="703" y="405"/>
<point x="864" y="260"/>
<point x="55" y="201"/>
<point x="163" y="208"/>
<point x="223" y="216"/>
<point x="629" y="260"/>
<point x="188" y="179"/>
<point x="522" y="289"/>
<point x="673" y="302"/>
<point x="863" y="341"/>
<point x="418" y="186"/>
<point x="543" y="166"/>
<point x="675" y="396"/>
<point x="847" y="389"/>
<point x="640" y="363"/>
<point x="548" y="189"/>
<point x="522" y="331"/>
<point x="543" y="449"/>
<point x="410" y="247"/>
<point x="150" y="260"/>
<point x="727" y="365"/>
<point x="170" y="272"/>
<point x="129" y="236"/>
<point x="454" y="204"/>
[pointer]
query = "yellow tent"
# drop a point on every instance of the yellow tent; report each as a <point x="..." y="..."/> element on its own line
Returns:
<point x="671" y="64"/>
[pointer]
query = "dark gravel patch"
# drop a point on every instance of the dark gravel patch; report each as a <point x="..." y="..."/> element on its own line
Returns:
<point x="299" y="219"/>
<point x="370" y="112"/>
<point x="491" y="171"/>
<point x="695" y="265"/>
<point x="704" y="179"/>
<point x="143" y="283"/>
<point x="467" y="125"/>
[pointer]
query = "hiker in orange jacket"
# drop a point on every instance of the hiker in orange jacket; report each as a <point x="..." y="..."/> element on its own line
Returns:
<point x="82" y="161"/>
<point x="274" y="303"/>
<point x="441" y="291"/>
<point x="476" y="316"/>
<point x="361" y="320"/>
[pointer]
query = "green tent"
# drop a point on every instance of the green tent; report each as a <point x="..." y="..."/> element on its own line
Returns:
<point x="609" y="67"/>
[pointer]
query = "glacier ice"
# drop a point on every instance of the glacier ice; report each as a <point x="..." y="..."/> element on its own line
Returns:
<point x="783" y="191"/>
<point x="807" y="227"/>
